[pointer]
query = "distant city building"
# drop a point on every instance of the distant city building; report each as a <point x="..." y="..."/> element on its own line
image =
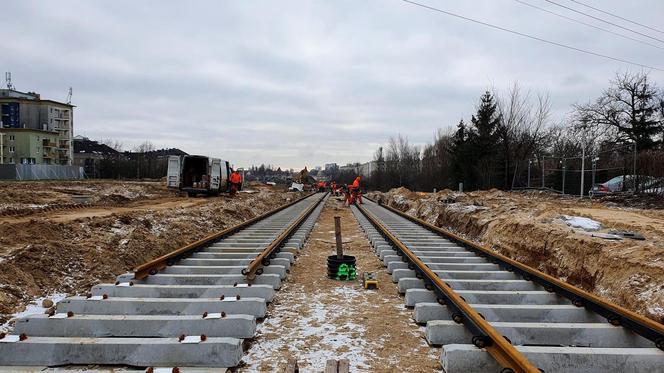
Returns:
<point x="331" y="167"/>
<point x="34" y="130"/>
<point x="364" y="169"/>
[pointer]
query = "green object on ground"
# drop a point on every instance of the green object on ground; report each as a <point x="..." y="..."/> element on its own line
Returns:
<point x="346" y="272"/>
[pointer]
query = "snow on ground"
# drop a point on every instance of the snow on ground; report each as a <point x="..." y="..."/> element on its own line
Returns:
<point x="586" y="224"/>
<point x="33" y="308"/>
<point x="301" y="331"/>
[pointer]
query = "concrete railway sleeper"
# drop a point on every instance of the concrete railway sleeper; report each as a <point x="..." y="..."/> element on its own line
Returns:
<point x="188" y="309"/>
<point x="492" y="314"/>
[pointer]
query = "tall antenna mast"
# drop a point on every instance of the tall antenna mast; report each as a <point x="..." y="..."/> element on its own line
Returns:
<point x="8" y="79"/>
<point x="69" y="95"/>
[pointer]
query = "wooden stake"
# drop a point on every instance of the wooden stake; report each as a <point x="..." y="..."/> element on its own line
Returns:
<point x="337" y="235"/>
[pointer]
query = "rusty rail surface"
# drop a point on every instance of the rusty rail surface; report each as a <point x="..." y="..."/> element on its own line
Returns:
<point x="153" y="266"/>
<point x="485" y="335"/>
<point x="614" y="313"/>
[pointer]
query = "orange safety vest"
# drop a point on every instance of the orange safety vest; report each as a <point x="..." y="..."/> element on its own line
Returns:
<point x="356" y="184"/>
<point x="236" y="178"/>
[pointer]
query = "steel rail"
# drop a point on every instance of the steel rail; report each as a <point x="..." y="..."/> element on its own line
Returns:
<point x="155" y="265"/>
<point x="484" y="335"/>
<point x="614" y="313"/>
<point x="263" y="259"/>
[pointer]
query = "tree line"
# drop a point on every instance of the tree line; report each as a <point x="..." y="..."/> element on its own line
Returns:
<point x="510" y="132"/>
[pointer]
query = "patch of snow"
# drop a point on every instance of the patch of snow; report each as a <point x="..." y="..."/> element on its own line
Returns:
<point x="586" y="224"/>
<point x="34" y="308"/>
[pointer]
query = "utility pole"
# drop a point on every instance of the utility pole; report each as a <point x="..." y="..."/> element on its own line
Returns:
<point x="634" y="167"/>
<point x="542" y="164"/>
<point x="584" y="125"/>
<point x="529" y="163"/>
<point x="563" y="162"/>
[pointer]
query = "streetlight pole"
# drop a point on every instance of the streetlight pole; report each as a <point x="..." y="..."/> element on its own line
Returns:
<point x="595" y="159"/>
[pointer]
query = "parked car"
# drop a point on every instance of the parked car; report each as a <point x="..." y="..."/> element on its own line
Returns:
<point x="625" y="183"/>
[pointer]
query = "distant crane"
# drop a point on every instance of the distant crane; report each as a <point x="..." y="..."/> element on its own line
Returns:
<point x="69" y="96"/>
<point x="8" y="79"/>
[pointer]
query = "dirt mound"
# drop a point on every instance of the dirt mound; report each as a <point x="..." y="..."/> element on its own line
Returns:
<point x="43" y="256"/>
<point x="528" y="227"/>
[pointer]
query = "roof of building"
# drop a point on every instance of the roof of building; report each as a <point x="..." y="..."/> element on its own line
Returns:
<point x="84" y="145"/>
<point x="14" y="95"/>
<point x="157" y="153"/>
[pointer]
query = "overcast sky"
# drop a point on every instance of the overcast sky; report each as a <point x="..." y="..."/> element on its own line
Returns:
<point x="295" y="83"/>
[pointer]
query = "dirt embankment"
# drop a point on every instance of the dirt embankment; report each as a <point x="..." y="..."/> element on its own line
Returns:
<point x="528" y="227"/>
<point x="49" y="254"/>
<point x="24" y="198"/>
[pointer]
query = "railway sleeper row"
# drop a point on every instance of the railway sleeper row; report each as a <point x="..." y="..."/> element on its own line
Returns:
<point x="193" y="313"/>
<point x="550" y="331"/>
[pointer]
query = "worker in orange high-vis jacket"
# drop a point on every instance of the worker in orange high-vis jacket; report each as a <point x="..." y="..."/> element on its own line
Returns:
<point x="333" y="187"/>
<point x="236" y="182"/>
<point x="356" y="190"/>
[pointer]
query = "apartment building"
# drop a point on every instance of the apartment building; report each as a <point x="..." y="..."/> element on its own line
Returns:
<point x="34" y="130"/>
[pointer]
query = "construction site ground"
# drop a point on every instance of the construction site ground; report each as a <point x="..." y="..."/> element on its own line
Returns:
<point x="50" y="246"/>
<point x="314" y="318"/>
<point x="531" y="227"/>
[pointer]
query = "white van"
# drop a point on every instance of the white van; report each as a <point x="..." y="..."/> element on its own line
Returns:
<point x="197" y="174"/>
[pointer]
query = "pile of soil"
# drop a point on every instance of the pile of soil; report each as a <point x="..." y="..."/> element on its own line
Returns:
<point x="58" y="194"/>
<point x="68" y="254"/>
<point x="528" y="227"/>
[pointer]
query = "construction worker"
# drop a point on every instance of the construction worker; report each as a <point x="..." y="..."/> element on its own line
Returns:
<point x="321" y="186"/>
<point x="356" y="193"/>
<point x="236" y="182"/>
<point x="333" y="186"/>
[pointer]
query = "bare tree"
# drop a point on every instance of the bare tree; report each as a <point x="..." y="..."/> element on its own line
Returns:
<point x="630" y="107"/>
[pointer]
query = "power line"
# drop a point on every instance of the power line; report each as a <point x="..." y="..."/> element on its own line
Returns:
<point x="617" y="16"/>
<point x="531" y="37"/>
<point x="605" y="21"/>
<point x="589" y="25"/>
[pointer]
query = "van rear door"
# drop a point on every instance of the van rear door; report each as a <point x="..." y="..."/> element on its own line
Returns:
<point x="215" y="173"/>
<point x="173" y="173"/>
<point x="225" y="174"/>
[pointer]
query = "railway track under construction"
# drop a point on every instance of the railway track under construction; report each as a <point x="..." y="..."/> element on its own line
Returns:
<point x="493" y="314"/>
<point x="190" y="308"/>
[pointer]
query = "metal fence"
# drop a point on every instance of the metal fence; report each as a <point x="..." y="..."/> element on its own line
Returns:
<point x="40" y="172"/>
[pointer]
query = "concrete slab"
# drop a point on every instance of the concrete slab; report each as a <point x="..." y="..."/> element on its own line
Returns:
<point x="410" y="283"/>
<point x="414" y="296"/>
<point x="463" y="358"/>
<point x="163" y="306"/>
<point x="511" y="297"/>
<point x="442" y="332"/>
<point x="211" y="270"/>
<point x="234" y="326"/>
<point x="166" y="279"/>
<point x="532" y="313"/>
<point x="185" y="291"/>
<point x="214" y="352"/>
<point x="425" y="312"/>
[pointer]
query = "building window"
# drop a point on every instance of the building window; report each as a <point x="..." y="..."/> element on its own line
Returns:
<point x="12" y="149"/>
<point x="11" y="138"/>
<point x="11" y="159"/>
<point x="37" y="150"/>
